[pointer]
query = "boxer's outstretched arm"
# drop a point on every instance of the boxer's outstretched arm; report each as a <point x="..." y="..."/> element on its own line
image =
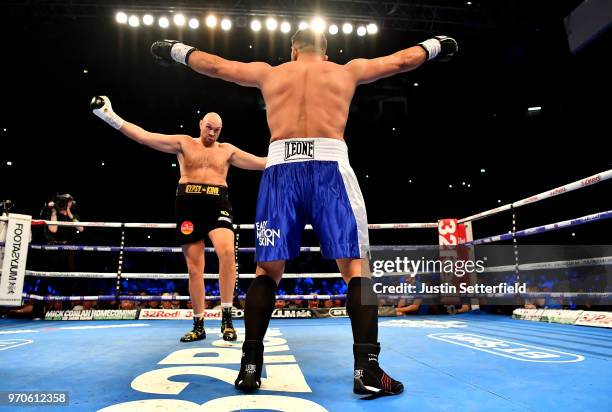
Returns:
<point x="244" y="160"/>
<point x="101" y="107"/>
<point x="245" y="74"/>
<point x="162" y="142"/>
<point x="370" y="70"/>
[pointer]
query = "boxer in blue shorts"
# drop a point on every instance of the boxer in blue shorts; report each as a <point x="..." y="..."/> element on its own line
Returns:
<point x="308" y="179"/>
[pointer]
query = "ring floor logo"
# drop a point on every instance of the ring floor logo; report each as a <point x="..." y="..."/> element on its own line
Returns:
<point x="508" y="349"/>
<point x="433" y="324"/>
<point x="170" y="377"/>
<point x="13" y="343"/>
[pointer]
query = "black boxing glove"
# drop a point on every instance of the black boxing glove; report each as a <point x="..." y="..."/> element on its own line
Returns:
<point x="167" y="52"/>
<point x="442" y="48"/>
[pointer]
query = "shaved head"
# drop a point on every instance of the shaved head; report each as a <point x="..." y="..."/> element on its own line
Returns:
<point x="210" y="128"/>
<point x="213" y="118"/>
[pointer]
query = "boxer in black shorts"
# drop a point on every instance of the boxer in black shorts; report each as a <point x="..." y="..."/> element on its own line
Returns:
<point x="199" y="209"/>
<point x="202" y="205"/>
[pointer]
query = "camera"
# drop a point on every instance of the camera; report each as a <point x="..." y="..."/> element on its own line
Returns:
<point x="6" y="206"/>
<point x="61" y="201"/>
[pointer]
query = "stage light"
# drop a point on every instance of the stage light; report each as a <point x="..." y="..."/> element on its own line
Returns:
<point x="333" y="29"/>
<point x="303" y="25"/>
<point x="347" y="28"/>
<point x="179" y="19"/>
<point x="164" y="22"/>
<point x="194" y="23"/>
<point x="226" y="24"/>
<point x="134" y="21"/>
<point x="271" y="24"/>
<point x="121" y="17"/>
<point x="147" y="19"/>
<point x="255" y="25"/>
<point x="318" y="25"/>
<point x="285" y="27"/>
<point x="372" y="28"/>
<point x="361" y="31"/>
<point x="211" y="21"/>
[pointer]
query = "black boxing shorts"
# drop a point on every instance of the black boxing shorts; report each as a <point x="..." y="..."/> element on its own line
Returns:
<point x="200" y="208"/>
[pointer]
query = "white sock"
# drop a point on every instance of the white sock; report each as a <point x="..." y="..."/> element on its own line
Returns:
<point x="198" y="315"/>
<point x="226" y="304"/>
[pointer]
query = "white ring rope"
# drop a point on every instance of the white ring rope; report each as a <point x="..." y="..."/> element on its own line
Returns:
<point x="374" y="226"/>
<point x="578" y="184"/>
<point x="559" y="264"/>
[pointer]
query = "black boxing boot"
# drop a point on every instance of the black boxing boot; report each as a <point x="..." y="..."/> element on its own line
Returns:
<point x="369" y="378"/>
<point x="249" y="377"/>
<point x="227" y="326"/>
<point x="197" y="333"/>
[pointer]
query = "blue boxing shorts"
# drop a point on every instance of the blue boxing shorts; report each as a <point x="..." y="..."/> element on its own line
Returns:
<point x="310" y="181"/>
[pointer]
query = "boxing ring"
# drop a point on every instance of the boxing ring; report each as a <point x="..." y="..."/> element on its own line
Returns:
<point x="103" y="363"/>
<point x="472" y="361"/>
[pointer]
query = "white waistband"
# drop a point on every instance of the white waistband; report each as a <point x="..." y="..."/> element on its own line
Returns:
<point x="306" y="149"/>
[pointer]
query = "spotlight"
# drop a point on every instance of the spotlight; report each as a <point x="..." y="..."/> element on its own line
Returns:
<point x="303" y="25"/>
<point x="271" y="24"/>
<point x="194" y="23"/>
<point x="179" y="19"/>
<point x="333" y="29"/>
<point x="134" y="21"/>
<point x="285" y="27"/>
<point x="121" y="17"/>
<point x="372" y="28"/>
<point x="318" y="25"/>
<point x="147" y="19"/>
<point x="211" y="21"/>
<point x="226" y="24"/>
<point x="361" y="31"/>
<point x="347" y="28"/>
<point x="164" y="22"/>
<point x="255" y="25"/>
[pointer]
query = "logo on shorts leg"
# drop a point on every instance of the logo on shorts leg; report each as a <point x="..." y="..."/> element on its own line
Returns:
<point x="265" y="236"/>
<point x="300" y="150"/>
<point x="186" y="227"/>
